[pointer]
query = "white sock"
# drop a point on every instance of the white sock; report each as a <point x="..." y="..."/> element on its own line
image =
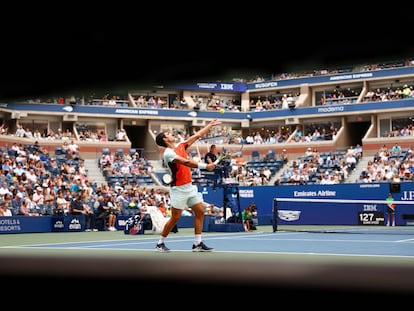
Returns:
<point x="197" y="239"/>
<point x="161" y="240"/>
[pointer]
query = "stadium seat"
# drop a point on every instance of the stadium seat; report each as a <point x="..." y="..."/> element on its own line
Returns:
<point x="271" y="155"/>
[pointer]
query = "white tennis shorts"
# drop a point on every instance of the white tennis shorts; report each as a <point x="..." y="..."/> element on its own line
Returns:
<point x="185" y="195"/>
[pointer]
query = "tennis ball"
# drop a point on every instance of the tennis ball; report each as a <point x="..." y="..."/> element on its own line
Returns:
<point x="222" y="110"/>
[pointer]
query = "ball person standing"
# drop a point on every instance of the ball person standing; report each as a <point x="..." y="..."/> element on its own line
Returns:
<point x="182" y="192"/>
<point x="390" y="210"/>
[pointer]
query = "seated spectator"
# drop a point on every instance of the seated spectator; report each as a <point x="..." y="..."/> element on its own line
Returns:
<point x="73" y="150"/>
<point x="101" y="213"/>
<point x="61" y="206"/>
<point x="358" y="151"/>
<point x="17" y="203"/>
<point x="396" y="149"/>
<point x="112" y="211"/>
<point x="27" y="209"/>
<point x="38" y="196"/>
<point x="78" y="207"/>
<point x="7" y="198"/>
<point x="122" y="200"/>
<point x="4" y="209"/>
<point x="4" y="188"/>
<point x="120" y="135"/>
<point x="350" y="161"/>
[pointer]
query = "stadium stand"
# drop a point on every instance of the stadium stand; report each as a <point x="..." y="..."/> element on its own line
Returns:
<point x="321" y="100"/>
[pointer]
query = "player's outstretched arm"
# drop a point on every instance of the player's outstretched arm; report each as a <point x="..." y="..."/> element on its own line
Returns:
<point x="202" y="131"/>
<point x="194" y="164"/>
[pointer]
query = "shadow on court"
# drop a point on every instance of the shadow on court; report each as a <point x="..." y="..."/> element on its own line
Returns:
<point x="288" y="263"/>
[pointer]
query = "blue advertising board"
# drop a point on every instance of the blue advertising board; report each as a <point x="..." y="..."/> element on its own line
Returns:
<point x="71" y="223"/>
<point x="37" y="224"/>
<point x="362" y="204"/>
<point x="308" y="210"/>
<point x="24" y="224"/>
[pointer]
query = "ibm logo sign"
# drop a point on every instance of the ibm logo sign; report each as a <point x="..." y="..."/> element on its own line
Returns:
<point x="226" y="86"/>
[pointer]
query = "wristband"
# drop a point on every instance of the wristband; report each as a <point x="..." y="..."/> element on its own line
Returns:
<point x="202" y="166"/>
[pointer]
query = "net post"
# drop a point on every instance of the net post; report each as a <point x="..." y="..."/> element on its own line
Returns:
<point x="274" y="211"/>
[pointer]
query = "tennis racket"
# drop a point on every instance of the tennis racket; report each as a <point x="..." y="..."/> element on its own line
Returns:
<point x="220" y="158"/>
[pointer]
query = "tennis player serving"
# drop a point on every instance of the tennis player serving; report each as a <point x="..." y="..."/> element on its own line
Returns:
<point x="182" y="192"/>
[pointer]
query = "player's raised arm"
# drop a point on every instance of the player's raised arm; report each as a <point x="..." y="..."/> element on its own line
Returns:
<point x="202" y="131"/>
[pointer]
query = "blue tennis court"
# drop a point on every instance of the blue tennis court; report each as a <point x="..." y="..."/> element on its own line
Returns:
<point x="280" y="242"/>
